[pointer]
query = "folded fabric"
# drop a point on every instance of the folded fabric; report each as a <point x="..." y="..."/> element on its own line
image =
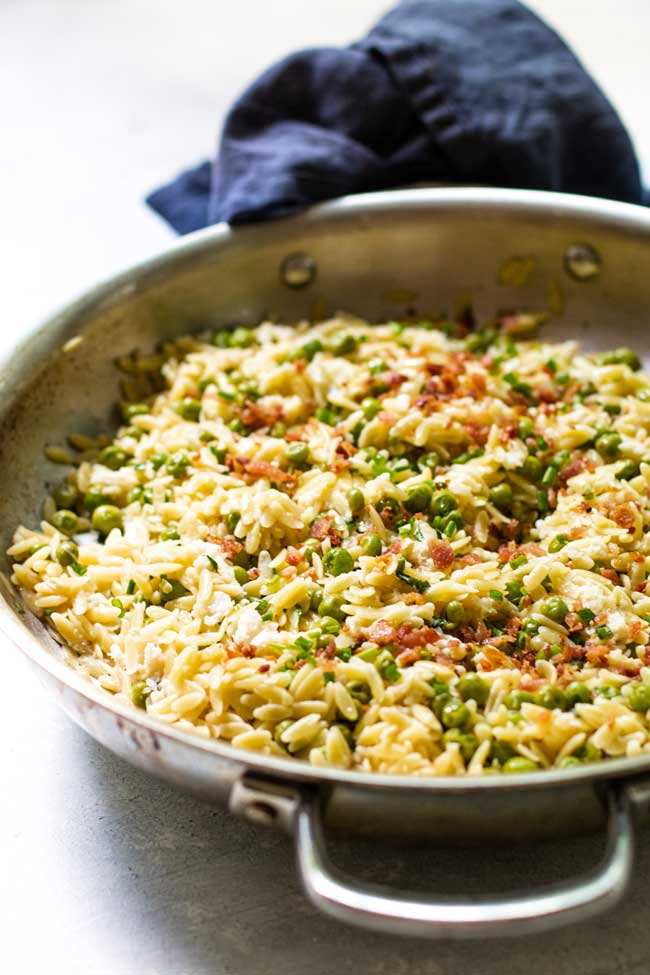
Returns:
<point x="454" y="91"/>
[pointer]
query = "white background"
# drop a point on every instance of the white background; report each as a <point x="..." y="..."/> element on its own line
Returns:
<point x="101" y="869"/>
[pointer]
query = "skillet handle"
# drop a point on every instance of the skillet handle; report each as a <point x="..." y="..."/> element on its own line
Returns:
<point x="385" y="910"/>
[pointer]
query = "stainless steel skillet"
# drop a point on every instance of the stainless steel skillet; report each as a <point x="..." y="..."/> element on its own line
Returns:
<point x="380" y="255"/>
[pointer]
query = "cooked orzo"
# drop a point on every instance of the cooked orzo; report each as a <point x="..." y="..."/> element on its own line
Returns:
<point x="415" y="548"/>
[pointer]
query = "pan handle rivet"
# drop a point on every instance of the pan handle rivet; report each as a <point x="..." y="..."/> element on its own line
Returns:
<point x="582" y="262"/>
<point x="261" y="812"/>
<point x="298" y="270"/>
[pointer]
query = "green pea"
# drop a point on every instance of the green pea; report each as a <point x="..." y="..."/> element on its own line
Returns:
<point x="241" y="558"/>
<point x="65" y="521"/>
<point x="553" y="697"/>
<point x="177" y="465"/>
<point x="530" y="626"/>
<point x="501" y="495"/>
<point x="232" y="520"/>
<point x="608" y="444"/>
<point x="501" y="751"/>
<point x="622" y="356"/>
<point x="443" y="502"/>
<point x="525" y="427"/>
<point x="240" y="574"/>
<point x="370" y="407"/>
<point x="473" y="687"/>
<point x="569" y="761"/>
<point x="627" y="471"/>
<point x="639" y="697"/>
<point x="532" y="469"/>
<point x="65" y="495"/>
<point x="106" y="518"/>
<point x="140" y="692"/>
<point x="241" y="338"/>
<point x="297" y="454"/>
<point x="455" y="612"/>
<point x="519" y="764"/>
<point x="555" y="608"/>
<point x="577" y="693"/>
<point x="337" y="561"/>
<point x="557" y="544"/>
<point x="171" y="589"/>
<point x="93" y="499"/>
<point x="169" y="535"/>
<point x="344" y="345"/>
<point x="515" y="699"/>
<point x="346" y="731"/>
<point x="67" y="552"/>
<point x="279" y="429"/>
<point x="418" y="498"/>
<point x="129" y="410"/>
<point x="189" y="409"/>
<point x="359" y="691"/>
<point x="114" y="457"/>
<point x="371" y="546"/>
<point x="329" y="625"/>
<point x="467" y="742"/>
<point x="588" y="753"/>
<point x="356" y="500"/>
<point x="280" y="729"/>
<point x="454" y="714"/>
<point x="429" y="461"/>
<point x="331" y="606"/>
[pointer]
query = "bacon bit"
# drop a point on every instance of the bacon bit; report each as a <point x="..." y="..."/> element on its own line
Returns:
<point x="470" y="559"/>
<point x="413" y="598"/>
<point x="394" y="548"/>
<point x="482" y="632"/>
<point x="442" y="554"/>
<point x="493" y="659"/>
<point x="382" y="633"/>
<point x="597" y="654"/>
<point x="392" y="379"/>
<point x="530" y="683"/>
<point x="264" y="668"/>
<point x="195" y="457"/>
<point x="259" y="468"/>
<point x="478" y="432"/>
<point x="242" y="650"/>
<point x="408" y="637"/>
<point x="575" y="467"/>
<point x="230" y="545"/>
<point x="408" y="657"/>
<point x="256" y="416"/>
<point x="296" y="435"/>
<point x="573" y="623"/>
<point x="211" y="538"/>
<point x="612" y="575"/>
<point x="327" y="653"/>
<point x="623" y="516"/>
<point x="294" y="557"/>
<point x="254" y="573"/>
<point x="323" y="528"/>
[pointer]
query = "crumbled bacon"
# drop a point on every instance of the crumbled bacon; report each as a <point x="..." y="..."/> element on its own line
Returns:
<point x="408" y="637"/>
<point x="323" y="528"/>
<point x="293" y="556"/>
<point x="470" y="559"/>
<point x="259" y="468"/>
<point x="623" y="515"/>
<point x="442" y="554"/>
<point x="612" y="575"/>
<point x="394" y="548"/>
<point x="575" y="467"/>
<point x="382" y="633"/>
<point x="230" y="545"/>
<point x="256" y="416"/>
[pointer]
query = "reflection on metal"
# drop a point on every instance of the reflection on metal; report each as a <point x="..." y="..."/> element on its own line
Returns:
<point x="298" y="270"/>
<point x="582" y="262"/>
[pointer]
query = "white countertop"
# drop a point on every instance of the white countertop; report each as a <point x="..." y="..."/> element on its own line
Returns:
<point x="103" y="870"/>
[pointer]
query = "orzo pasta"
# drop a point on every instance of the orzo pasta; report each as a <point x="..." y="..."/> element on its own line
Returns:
<point x="411" y="548"/>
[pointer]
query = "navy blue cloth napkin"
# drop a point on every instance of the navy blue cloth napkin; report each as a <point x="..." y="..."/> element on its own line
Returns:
<point x="454" y="91"/>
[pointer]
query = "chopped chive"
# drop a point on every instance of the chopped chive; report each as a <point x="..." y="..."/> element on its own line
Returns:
<point x="130" y="588"/>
